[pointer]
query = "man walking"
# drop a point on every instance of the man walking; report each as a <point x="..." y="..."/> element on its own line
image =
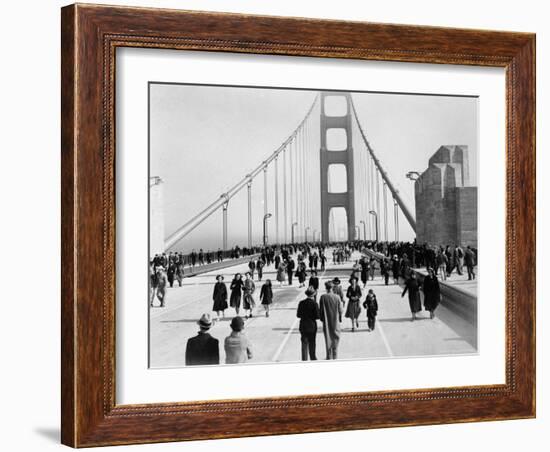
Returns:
<point x="331" y="316"/>
<point x="308" y="313"/>
<point x="202" y="349"/>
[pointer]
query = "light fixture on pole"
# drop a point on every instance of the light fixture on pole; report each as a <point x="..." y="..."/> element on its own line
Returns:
<point x="412" y="175"/>
<point x="372" y="212"/>
<point x="266" y="216"/>
<point x="307" y="229"/>
<point x="364" y="229"/>
<point x="292" y="230"/>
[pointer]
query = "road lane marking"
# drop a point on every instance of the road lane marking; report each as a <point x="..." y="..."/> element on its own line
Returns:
<point x="385" y="340"/>
<point x="293" y="326"/>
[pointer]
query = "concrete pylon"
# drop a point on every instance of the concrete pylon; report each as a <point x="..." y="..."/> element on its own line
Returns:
<point x="332" y="157"/>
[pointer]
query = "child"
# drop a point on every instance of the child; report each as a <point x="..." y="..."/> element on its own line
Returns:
<point x="371" y="305"/>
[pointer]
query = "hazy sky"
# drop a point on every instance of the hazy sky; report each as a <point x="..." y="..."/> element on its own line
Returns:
<point x="203" y="139"/>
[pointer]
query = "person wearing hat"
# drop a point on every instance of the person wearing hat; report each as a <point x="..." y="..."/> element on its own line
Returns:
<point x="308" y="313"/>
<point x="219" y="297"/>
<point x="236" y="292"/>
<point x="354" y="309"/>
<point x="314" y="283"/>
<point x="395" y="268"/>
<point x="413" y="288"/>
<point x="337" y="290"/>
<point x="330" y="314"/>
<point x="237" y="346"/>
<point x="202" y="349"/>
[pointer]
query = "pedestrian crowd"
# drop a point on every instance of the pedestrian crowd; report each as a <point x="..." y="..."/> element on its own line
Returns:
<point x="393" y="260"/>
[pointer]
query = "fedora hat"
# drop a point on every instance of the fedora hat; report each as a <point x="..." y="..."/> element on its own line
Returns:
<point x="205" y="321"/>
<point x="220" y="276"/>
<point x="336" y="280"/>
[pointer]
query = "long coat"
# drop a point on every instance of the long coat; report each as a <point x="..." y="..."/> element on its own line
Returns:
<point x="248" y="298"/>
<point x="220" y="297"/>
<point x="266" y="294"/>
<point x="236" y="293"/>
<point x="281" y="270"/>
<point x="354" y="308"/>
<point x="331" y="316"/>
<point x="432" y="293"/>
<point x="413" y="288"/>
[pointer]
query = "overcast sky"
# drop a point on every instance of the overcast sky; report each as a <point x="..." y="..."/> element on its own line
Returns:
<point x="204" y="139"/>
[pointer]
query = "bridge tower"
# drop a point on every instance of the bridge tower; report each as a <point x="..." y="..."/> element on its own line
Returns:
<point x="337" y="130"/>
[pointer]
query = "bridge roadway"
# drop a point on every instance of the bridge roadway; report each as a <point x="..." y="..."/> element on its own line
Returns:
<point x="276" y="338"/>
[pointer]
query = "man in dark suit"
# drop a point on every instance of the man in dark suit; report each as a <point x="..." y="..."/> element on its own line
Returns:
<point x="308" y="313"/>
<point x="290" y="265"/>
<point x="202" y="349"/>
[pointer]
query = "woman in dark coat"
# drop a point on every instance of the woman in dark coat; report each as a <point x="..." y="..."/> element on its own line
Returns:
<point x="395" y="268"/>
<point x="266" y="296"/>
<point x="354" y="308"/>
<point x="413" y="288"/>
<point x="236" y="292"/>
<point x="301" y="273"/>
<point x="432" y="292"/>
<point x="219" y="296"/>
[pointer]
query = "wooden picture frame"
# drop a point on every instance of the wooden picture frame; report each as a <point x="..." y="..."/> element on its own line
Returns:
<point x="90" y="35"/>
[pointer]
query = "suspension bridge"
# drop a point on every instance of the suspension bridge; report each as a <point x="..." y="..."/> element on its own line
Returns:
<point x="324" y="184"/>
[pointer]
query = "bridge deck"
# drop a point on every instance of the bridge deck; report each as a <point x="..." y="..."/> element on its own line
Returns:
<point x="277" y="338"/>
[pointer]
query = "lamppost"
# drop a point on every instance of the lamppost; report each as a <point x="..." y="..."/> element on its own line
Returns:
<point x="412" y="175"/>
<point x="314" y="235"/>
<point x="292" y="230"/>
<point x="372" y="212"/>
<point x="307" y="229"/>
<point x="357" y="233"/>
<point x="364" y="229"/>
<point x="266" y="216"/>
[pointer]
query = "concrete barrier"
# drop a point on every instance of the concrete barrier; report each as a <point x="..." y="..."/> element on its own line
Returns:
<point x="218" y="265"/>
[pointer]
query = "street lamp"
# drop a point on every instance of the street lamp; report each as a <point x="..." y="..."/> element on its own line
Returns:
<point x="314" y="235"/>
<point x="364" y="229"/>
<point x="357" y="233"/>
<point x="307" y="229"/>
<point x="372" y="212"/>
<point x="292" y="230"/>
<point x="266" y="216"/>
<point x="412" y="175"/>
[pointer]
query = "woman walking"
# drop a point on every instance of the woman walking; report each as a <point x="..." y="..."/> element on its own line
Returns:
<point x="413" y="288"/>
<point x="281" y="273"/>
<point x="220" y="297"/>
<point x="432" y="292"/>
<point x="248" y="298"/>
<point x="236" y="292"/>
<point x="266" y="296"/>
<point x="301" y="273"/>
<point x="354" y="309"/>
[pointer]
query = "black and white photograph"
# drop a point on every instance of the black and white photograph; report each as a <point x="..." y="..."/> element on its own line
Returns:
<point x="291" y="225"/>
